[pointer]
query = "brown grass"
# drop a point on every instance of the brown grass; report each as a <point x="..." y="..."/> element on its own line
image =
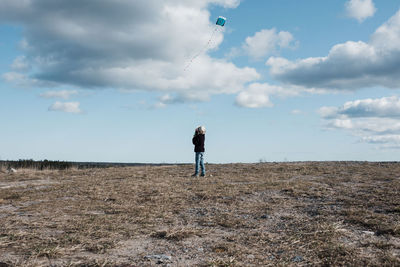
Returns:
<point x="267" y="214"/>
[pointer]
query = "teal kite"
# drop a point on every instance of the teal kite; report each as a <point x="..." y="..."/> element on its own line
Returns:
<point x="221" y="21"/>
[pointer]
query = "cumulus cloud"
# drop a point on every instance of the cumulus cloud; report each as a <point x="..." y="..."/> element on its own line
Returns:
<point x="360" y="9"/>
<point x="64" y="94"/>
<point x="382" y="107"/>
<point x="139" y="45"/>
<point x="266" y="42"/>
<point x="257" y="95"/>
<point x="348" y="66"/>
<point x="68" y="107"/>
<point x="375" y="121"/>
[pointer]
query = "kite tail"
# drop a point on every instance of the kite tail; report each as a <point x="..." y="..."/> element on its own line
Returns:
<point x="202" y="50"/>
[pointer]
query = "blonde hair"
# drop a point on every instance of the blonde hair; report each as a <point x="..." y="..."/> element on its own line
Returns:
<point x="201" y="129"/>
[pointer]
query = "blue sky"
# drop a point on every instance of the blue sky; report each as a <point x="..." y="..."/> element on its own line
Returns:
<point x="282" y="81"/>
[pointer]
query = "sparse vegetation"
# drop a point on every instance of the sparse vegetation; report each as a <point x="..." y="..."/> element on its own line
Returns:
<point x="63" y="165"/>
<point x="38" y="165"/>
<point x="264" y="214"/>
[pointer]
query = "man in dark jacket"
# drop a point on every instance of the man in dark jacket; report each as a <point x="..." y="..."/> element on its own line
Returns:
<point x="198" y="142"/>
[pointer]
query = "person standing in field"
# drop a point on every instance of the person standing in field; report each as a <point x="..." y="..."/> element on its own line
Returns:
<point x="198" y="142"/>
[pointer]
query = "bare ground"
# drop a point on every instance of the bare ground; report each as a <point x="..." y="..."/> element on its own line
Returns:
<point x="269" y="214"/>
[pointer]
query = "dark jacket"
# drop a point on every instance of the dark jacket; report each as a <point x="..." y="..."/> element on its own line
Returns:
<point x="198" y="142"/>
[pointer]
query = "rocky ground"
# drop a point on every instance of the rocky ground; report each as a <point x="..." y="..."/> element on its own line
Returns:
<point x="267" y="214"/>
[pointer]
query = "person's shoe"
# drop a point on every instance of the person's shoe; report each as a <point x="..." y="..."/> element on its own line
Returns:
<point x="203" y="175"/>
<point x="195" y="175"/>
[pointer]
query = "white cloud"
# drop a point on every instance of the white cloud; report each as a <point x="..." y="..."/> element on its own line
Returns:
<point x="253" y="99"/>
<point x="20" y="64"/>
<point x="130" y="45"/>
<point x="266" y="42"/>
<point x="382" y="139"/>
<point x="183" y="98"/>
<point x="350" y="65"/>
<point x="206" y="76"/>
<point x="257" y="95"/>
<point x="64" y="94"/>
<point x="360" y="9"/>
<point x="328" y="112"/>
<point x="69" y="107"/>
<point x="386" y="107"/>
<point x="24" y="81"/>
<point x="296" y="112"/>
<point x="375" y="121"/>
<point x="16" y="78"/>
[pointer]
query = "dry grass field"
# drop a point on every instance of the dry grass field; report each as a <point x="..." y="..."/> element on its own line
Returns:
<point x="266" y="214"/>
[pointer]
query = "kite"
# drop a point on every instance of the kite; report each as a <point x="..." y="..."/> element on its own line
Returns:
<point x="220" y="23"/>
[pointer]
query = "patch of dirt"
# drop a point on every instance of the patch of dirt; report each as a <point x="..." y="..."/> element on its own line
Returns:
<point x="30" y="183"/>
<point x="266" y="214"/>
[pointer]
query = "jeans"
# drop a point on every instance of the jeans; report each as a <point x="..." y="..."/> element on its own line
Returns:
<point x="200" y="163"/>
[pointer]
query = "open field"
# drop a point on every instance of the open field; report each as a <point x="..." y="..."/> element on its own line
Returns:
<point x="267" y="214"/>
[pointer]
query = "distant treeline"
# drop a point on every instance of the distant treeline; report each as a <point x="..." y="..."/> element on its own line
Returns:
<point x="32" y="164"/>
<point x="63" y="165"/>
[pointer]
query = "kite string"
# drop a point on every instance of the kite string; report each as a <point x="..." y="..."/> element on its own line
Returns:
<point x="202" y="50"/>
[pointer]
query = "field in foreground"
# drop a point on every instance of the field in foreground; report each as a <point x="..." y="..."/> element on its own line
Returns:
<point x="267" y="214"/>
